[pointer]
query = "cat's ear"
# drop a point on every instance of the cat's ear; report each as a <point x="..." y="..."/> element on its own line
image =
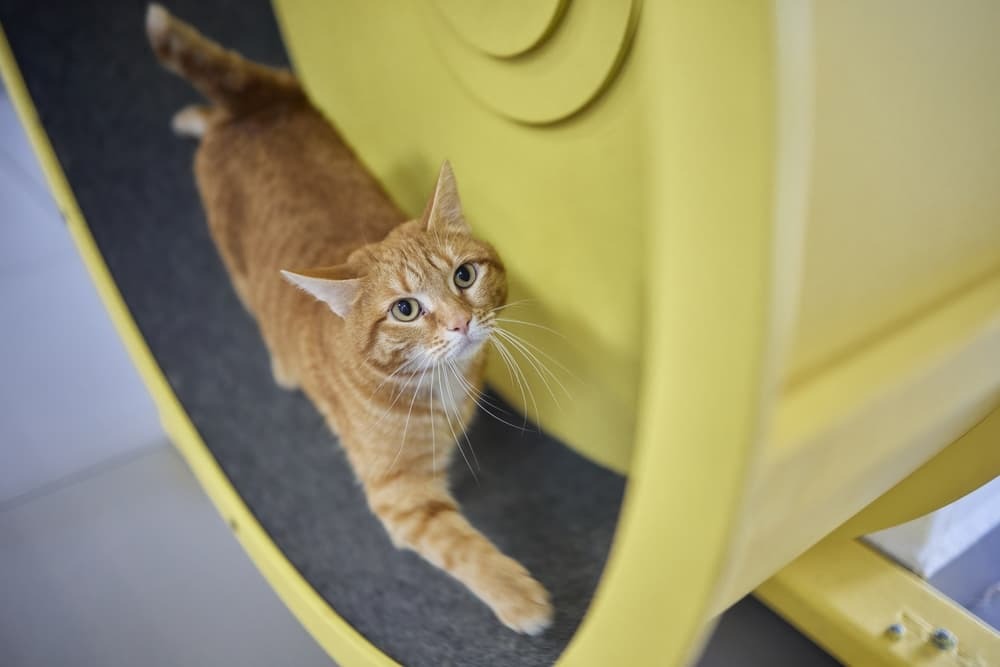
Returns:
<point x="336" y="286"/>
<point x="444" y="210"/>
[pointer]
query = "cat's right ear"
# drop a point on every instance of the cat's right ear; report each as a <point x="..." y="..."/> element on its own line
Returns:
<point x="336" y="286"/>
<point x="444" y="210"/>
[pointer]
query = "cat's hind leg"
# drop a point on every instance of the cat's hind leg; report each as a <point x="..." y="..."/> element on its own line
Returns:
<point x="240" y="287"/>
<point x="282" y="376"/>
<point x="194" y="120"/>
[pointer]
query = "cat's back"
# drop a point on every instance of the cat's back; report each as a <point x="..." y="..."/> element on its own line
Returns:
<point x="285" y="190"/>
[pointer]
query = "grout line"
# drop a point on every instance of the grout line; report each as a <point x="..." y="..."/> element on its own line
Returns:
<point x="87" y="473"/>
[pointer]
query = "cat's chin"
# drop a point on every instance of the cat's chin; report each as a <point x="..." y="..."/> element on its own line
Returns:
<point x="465" y="350"/>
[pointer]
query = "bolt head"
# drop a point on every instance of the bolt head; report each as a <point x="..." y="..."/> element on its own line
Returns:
<point x="944" y="639"/>
<point x="895" y="631"/>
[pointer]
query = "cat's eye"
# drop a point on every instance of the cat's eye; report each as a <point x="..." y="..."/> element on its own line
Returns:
<point x="465" y="275"/>
<point x="405" y="310"/>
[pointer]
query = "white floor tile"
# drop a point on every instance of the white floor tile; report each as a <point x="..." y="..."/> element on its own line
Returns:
<point x="134" y="567"/>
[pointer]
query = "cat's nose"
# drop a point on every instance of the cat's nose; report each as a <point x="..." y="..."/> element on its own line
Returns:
<point x="459" y="324"/>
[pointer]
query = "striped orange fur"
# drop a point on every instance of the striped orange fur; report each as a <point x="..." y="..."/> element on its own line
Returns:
<point x="283" y="192"/>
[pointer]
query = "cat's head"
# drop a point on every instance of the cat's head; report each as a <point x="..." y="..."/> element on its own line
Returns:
<point x="424" y="295"/>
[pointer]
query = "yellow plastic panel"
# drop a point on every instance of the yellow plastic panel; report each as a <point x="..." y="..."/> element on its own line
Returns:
<point x="502" y="29"/>
<point x="843" y="439"/>
<point x="571" y="67"/>
<point x="854" y="426"/>
<point x="711" y="250"/>
<point x="970" y="462"/>
<point x="905" y="202"/>
<point x="564" y="204"/>
<point x="845" y="596"/>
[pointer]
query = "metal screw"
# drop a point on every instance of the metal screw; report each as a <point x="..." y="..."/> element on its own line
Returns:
<point x="895" y="631"/>
<point x="944" y="639"/>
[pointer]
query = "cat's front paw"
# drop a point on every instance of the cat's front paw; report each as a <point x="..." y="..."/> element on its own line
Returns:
<point x="520" y="602"/>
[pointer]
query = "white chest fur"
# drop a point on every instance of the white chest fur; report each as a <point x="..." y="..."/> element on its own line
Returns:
<point x="450" y="391"/>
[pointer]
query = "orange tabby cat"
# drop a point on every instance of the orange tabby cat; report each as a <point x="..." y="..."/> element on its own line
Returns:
<point x="393" y="366"/>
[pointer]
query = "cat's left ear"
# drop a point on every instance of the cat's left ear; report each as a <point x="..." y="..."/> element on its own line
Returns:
<point x="336" y="286"/>
<point x="444" y="210"/>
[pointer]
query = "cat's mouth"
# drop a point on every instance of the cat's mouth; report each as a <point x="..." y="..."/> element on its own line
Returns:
<point x="464" y="348"/>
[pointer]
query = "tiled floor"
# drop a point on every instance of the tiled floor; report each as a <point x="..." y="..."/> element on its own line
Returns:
<point x="131" y="565"/>
<point x="110" y="554"/>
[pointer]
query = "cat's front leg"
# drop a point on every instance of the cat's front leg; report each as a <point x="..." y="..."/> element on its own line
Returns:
<point x="420" y="514"/>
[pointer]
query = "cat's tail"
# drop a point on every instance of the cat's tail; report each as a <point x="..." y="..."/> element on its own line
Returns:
<point x="232" y="83"/>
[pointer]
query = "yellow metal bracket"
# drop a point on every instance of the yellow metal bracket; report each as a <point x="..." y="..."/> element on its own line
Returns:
<point x="866" y="610"/>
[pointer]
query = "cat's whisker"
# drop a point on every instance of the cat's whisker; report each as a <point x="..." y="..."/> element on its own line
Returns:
<point x="513" y="379"/>
<point x="454" y="435"/>
<point x="526" y="345"/>
<point x="522" y="381"/>
<point x="466" y="387"/>
<point x="538" y="349"/>
<point x="465" y="433"/>
<point x="406" y="425"/>
<point x="389" y="377"/>
<point x="394" y="397"/>
<point x="475" y="393"/>
<point x="465" y="382"/>
<point x="523" y="378"/>
<point x="433" y="419"/>
<point x="532" y="324"/>
<point x="520" y="302"/>
<point x="539" y="368"/>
